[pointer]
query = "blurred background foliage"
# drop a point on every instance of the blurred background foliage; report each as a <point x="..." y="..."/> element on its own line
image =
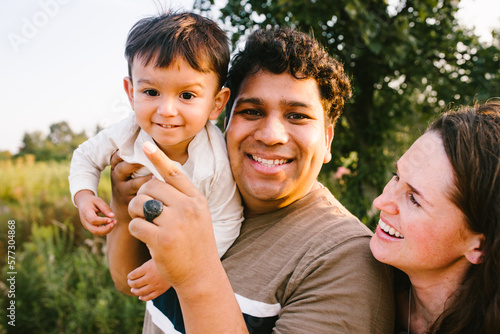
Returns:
<point x="62" y="283"/>
<point x="408" y="62"/>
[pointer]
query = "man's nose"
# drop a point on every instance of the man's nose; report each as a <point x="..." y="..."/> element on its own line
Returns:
<point x="272" y="131"/>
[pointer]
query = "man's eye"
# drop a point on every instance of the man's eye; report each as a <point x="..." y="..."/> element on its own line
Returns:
<point x="298" y="116"/>
<point x="151" y="92"/>
<point x="187" y="96"/>
<point x="248" y="112"/>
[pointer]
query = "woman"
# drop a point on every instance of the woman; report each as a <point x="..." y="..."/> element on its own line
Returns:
<point x="440" y="225"/>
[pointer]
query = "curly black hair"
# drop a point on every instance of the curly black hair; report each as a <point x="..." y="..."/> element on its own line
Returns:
<point x="284" y="49"/>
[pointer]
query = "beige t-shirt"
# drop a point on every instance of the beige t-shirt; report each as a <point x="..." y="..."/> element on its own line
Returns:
<point x="306" y="268"/>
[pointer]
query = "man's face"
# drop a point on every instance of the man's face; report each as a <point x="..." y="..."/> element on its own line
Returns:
<point x="277" y="140"/>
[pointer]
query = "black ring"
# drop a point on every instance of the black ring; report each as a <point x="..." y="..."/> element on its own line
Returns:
<point x="152" y="209"/>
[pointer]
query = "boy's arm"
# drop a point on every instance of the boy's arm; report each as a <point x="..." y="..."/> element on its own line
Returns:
<point x="93" y="155"/>
<point x="88" y="161"/>
<point x="125" y="253"/>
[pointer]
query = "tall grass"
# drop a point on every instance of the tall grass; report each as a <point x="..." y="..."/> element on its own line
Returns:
<point x="62" y="282"/>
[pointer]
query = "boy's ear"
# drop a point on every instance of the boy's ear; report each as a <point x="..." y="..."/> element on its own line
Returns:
<point x="220" y="101"/>
<point x="475" y="252"/>
<point x="129" y="89"/>
<point x="328" y="142"/>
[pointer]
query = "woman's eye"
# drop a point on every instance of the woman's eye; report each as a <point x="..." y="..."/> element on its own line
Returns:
<point x="187" y="96"/>
<point x="151" y="92"/>
<point x="413" y="200"/>
<point x="395" y="176"/>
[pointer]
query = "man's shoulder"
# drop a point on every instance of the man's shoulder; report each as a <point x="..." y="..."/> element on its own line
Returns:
<point x="320" y="208"/>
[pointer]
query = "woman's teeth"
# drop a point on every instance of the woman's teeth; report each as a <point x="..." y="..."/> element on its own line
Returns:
<point x="390" y="230"/>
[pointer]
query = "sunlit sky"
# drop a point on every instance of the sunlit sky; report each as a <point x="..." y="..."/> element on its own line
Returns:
<point x="62" y="60"/>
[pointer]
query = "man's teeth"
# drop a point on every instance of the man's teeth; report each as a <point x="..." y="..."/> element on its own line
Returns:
<point x="270" y="163"/>
<point x="390" y="230"/>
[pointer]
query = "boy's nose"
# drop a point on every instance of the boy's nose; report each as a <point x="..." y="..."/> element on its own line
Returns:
<point x="167" y="108"/>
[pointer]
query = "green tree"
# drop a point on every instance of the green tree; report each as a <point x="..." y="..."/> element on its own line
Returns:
<point x="408" y="62"/>
<point x="58" y="145"/>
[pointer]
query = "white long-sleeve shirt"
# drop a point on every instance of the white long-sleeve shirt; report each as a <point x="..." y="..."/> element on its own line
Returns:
<point x="207" y="167"/>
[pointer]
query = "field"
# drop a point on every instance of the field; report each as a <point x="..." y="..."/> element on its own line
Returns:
<point x="55" y="279"/>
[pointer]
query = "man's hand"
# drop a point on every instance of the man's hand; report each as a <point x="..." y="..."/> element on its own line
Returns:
<point x="182" y="244"/>
<point x="123" y="186"/>
<point x="181" y="239"/>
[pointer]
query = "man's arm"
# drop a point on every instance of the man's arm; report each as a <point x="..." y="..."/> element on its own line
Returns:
<point x="125" y="253"/>
<point x="182" y="244"/>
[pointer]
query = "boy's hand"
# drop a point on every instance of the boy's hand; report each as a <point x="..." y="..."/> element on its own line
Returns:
<point x="146" y="282"/>
<point x="89" y="206"/>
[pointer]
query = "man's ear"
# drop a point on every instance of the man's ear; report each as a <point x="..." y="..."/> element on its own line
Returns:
<point x="475" y="252"/>
<point x="220" y="101"/>
<point x="328" y="142"/>
<point x="129" y="89"/>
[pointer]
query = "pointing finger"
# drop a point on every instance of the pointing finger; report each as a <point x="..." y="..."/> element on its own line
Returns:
<point x="169" y="171"/>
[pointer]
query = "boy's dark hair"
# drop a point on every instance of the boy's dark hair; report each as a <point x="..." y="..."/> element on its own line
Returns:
<point x="283" y="49"/>
<point x="198" y="40"/>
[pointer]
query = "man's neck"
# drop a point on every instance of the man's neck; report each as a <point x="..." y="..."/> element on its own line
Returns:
<point x="254" y="208"/>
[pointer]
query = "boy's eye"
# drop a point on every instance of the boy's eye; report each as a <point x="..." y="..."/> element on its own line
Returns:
<point x="187" y="96"/>
<point x="151" y="92"/>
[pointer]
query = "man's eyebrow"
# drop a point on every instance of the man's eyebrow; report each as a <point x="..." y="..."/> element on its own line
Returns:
<point x="250" y="100"/>
<point x="284" y="103"/>
<point x="292" y="103"/>
<point x="414" y="190"/>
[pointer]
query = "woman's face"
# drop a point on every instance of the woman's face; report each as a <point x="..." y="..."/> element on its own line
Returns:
<point x="420" y="229"/>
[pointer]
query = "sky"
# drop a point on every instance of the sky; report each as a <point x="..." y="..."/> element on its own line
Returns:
<point x="62" y="60"/>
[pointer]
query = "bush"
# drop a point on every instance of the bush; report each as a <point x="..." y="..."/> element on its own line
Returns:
<point x="62" y="283"/>
<point x="61" y="288"/>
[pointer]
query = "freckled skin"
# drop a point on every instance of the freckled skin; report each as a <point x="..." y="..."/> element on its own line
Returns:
<point x="415" y="203"/>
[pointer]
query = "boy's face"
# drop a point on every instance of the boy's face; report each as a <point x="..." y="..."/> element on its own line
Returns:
<point x="276" y="139"/>
<point x="173" y="104"/>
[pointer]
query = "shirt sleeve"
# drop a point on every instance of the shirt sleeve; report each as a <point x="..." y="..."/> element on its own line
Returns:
<point x="344" y="290"/>
<point x="93" y="155"/>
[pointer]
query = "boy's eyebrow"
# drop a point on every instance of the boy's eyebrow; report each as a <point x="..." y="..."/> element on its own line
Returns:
<point x="187" y="85"/>
<point x="144" y="81"/>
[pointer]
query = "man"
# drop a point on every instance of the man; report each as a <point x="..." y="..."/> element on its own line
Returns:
<point x="302" y="262"/>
